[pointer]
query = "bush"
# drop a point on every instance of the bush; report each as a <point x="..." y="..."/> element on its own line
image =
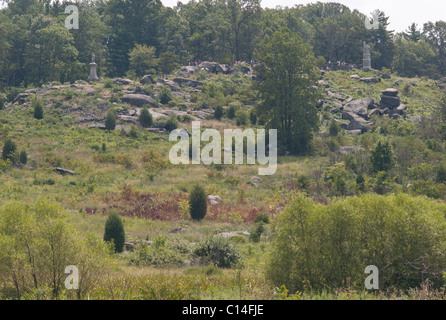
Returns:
<point x="165" y="95"/>
<point x="110" y="120"/>
<point x="334" y="128"/>
<point x="242" y="118"/>
<point x="37" y="105"/>
<point x="114" y="231"/>
<point x="253" y="117"/>
<point x="23" y="158"/>
<point x="262" y="217"/>
<point x="231" y="112"/>
<point x="382" y="158"/>
<point x="218" y="251"/>
<point x="322" y="246"/>
<point x="218" y="112"/>
<point x="197" y="203"/>
<point x="145" y="118"/>
<point x="9" y="150"/>
<point x="171" y="123"/>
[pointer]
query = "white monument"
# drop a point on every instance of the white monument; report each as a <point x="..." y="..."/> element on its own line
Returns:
<point x="93" y="75"/>
<point x="366" y="59"/>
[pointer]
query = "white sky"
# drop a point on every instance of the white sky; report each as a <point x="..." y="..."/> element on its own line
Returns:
<point x="401" y="12"/>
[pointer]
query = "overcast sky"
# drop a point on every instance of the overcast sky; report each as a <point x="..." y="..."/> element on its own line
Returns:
<point x="401" y="12"/>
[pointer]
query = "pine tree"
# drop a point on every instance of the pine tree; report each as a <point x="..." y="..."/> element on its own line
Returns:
<point x="110" y="120"/>
<point x="23" y="158"/>
<point x="37" y="104"/>
<point x="9" y="150"/>
<point x="382" y="158"/>
<point x="145" y="118"/>
<point x="114" y="231"/>
<point x="197" y="203"/>
<point x="218" y="112"/>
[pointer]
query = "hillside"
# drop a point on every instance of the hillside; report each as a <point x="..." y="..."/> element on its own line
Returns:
<point x="92" y="172"/>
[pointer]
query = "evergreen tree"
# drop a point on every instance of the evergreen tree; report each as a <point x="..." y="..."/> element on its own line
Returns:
<point x="218" y="112"/>
<point x="9" y="150"/>
<point x="145" y="118"/>
<point x="382" y="158"/>
<point x="114" y="231"/>
<point x="37" y="105"/>
<point x="110" y="120"/>
<point x="197" y="203"/>
<point x="23" y="158"/>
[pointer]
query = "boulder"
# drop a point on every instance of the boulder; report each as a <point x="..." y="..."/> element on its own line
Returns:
<point x="214" y="200"/>
<point x="186" y="71"/>
<point x="128" y="119"/>
<point x="390" y="102"/>
<point x="122" y="81"/>
<point x="360" y="107"/>
<point x="233" y="234"/>
<point x="417" y="119"/>
<point x="209" y="66"/>
<point x="138" y="100"/>
<point x="370" y="80"/>
<point x="65" y="171"/>
<point x="324" y="83"/>
<point x="391" y="92"/>
<point x="355" y="77"/>
<point x="354" y="132"/>
<point x="129" y="246"/>
<point x="147" y="79"/>
<point x="171" y="84"/>
<point x="223" y="68"/>
<point x="188" y="82"/>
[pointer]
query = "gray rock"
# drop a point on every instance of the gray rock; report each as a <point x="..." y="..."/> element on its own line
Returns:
<point x="128" y="119"/>
<point x="186" y="71"/>
<point x="223" y="68"/>
<point x="65" y="171"/>
<point x="171" y="84"/>
<point x="417" y="119"/>
<point x="188" y="82"/>
<point x="233" y="234"/>
<point x="122" y="81"/>
<point x="147" y="79"/>
<point x="369" y="80"/>
<point x="129" y="246"/>
<point x="355" y="77"/>
<point x="138" y="100"/>
<point x="214" y="200"/>
<point x="389" y="102"/>
<point x="209" y="66"/>
<point x="354" y="132"/>
<point x="391" y="92"/>
<point x="360" y="107"/>
<point x="324" y="83"/>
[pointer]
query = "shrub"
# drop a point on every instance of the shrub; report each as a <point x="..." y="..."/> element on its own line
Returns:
<point x="257" y="232"/>
<point x="197" y="203"/>
<point x="165" y="95"/>
<point x="242" y="118"/>
<point x="334" y="128"/>
<point x="23" y="158"/>
<point x="382" y="158"/>
<point x="145" y="118"/>
<point x="322" y="246"/>
<point x="253" y="117"/>
<point x="37" y="105"/>
<point x="9" y="149"/>
<point x="218" y="112"/>
<point x="108" y="83"/>
<point x="262" y="217"/>
<point x="218" y="251"/>
<point x="114" y="231"/>
<point x="171" y="123"/>
<point x="231" y="112"/>
<point x="110" y="120"/>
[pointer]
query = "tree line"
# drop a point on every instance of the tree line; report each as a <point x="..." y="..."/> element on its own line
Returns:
<point x="127" y="34"/>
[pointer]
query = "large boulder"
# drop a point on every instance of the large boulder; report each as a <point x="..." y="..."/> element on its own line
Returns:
<point x="138" y="100"/>
<point x="370" y="80"/>
<point x="223" y="68"/>
<point x="122" y="81"/>
<point x="356" y="122"/>
<point x="171" y="84"/>
<point x="188" y="82"/>
<point x="209" y="66"/>
<point x="390" y="102"/>
<point x="147" y="79"/>
<point x="391" y="92"/>
<point x="186" y="71"/>
<point x="360" y="107"/>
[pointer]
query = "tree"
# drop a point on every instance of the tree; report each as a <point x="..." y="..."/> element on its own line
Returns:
<point x="197" y="203"/>
<point x="168" y="61"/>
<point x="334" y="128"/>
<point x="114" y="231"/>
<point x="288" y="93"/>
<point x="413" y="58"/>
<point x="9" y="150"/>
<point x="218" y="112"/>
<point x="412" y="33"/>
<point x="145" y="118"/>
<point x="382" y="157"/>
<point x="143" y="60"/>
<point x="110" y="120"/>
<point x="435" y="35"/>
<point x="23" y="158"/>
<point x="165" y="94"/>
<point x="37" y="105"/>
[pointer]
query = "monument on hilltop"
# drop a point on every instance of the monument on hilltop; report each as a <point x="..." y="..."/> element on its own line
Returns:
<point x="93" y="75"/>
<point x="366" y="59"/>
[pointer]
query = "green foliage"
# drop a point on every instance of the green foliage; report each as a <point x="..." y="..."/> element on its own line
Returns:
<point x="171" y="123"/>
<point x="114" y="231"/>
<point x="145" y="118"/>
<point x="242" y="118"/>
<point x="142" y="59"/>
<point x="197" y="202"/>
<point x="165" y="95"/>
<point x="321" y="246"/>
<point x="334" y="128"/>
<point x="218" y="251"/>
<point x="231" y="112"/>
<point x="382" y="157"/>
<point x="218" y="112"/>
<point x="9" y="149"/>
<point x="37" y="105"/>
<point x="253" y="117"/>
<point x="110" y="120"/>
<point x="23" y="157"/>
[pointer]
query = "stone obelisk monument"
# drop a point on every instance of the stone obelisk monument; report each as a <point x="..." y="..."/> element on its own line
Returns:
<point x="93" y="75"/>
<point x="366" y="59"/>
